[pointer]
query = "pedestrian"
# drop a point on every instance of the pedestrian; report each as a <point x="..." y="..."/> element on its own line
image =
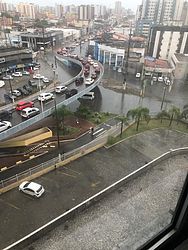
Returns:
<point x="77" y="121"/>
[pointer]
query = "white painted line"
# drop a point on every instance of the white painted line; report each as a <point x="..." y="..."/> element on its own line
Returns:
<point x="98" y="131"/>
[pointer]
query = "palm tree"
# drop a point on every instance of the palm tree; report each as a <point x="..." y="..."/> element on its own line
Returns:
<point x="174" y="112"/>
<point x="61" y="113"/>
<point x="139" y="114"/>
<point x="163" y="114"/>
<point x="123" y="120"/>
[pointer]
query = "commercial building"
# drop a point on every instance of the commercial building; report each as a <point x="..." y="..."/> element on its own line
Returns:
<point x="164" y="41"/>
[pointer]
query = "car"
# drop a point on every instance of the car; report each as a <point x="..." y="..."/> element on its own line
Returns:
<point x="45" y="80"/>
<point x="87" y="66"/>
<point x="95" y="65"/>
<point x="36" y="68"/>
<point x="91" y="62"/>
<point x="5" y="115"/>
<point x="16" y="93"/>
<point x="97" y="70"/>
<point x="4" y="125"/>
<point x="26" y="73"/>
<point x="147" y="73"/>
<point x="23" y="91"/>
<point x="89" y="81"/>
<point x="167" y="82"/>
<point x="154" y="78"/>
<point x="2" y="83"/>
<point x="82" y="42"/>
<point x="29" y="112"/>
<point x="138" y="75"/>
<point x="86" y="72"/>
<point x="32" y="83"/>
<point x="28" y="88"/>
<point x="160" y="79"/>
<point x="71" y="92"/>
<point x="79" y="81"/>
<point x="8" y="77"/>
<point x="94" y="75"/>
<point x="38" y="77"/>
<point x="45" y="97"/>
<point x="24" y="104"/>
<point x="17" y="74"/>
<point x="31" y="188"/>
<point x="10" y="97"/>
<point x="60" y="89"/>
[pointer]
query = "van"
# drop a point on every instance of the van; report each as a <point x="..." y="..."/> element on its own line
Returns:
<point x="88" y="96"/>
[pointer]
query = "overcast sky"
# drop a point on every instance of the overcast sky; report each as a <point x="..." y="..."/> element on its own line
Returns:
<point x="128" y="4"/>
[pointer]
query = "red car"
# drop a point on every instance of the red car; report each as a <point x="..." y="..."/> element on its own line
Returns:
<point x="97" y="70"/>
<point x="22" y="105"/>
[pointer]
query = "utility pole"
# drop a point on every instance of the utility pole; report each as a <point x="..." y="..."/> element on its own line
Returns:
<point x="57" y="129"/>
<point x="126" y="59"/>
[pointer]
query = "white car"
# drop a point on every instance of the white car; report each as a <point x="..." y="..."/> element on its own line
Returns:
<point x="31" y="188"/>
<point x="154" y="78"/>
<point x="60" y="89"/>
<point x="38" y="76"/>
<point x="5" y="125"/>
<point x="168" y="82"/>
<point x="138" y="75"/>
<point x="45" y="97"/>
<point x="29" y="112"/>
<point x="89" y="81"/>
<point x="8" y="77"/>
<point x="36" y="68"/>
<point x="160" y="79"/>
<point x="16" y="93"/>
<point x="17" y="74"/>
<point x="147" y="73"/>
<point x="2" y="83"/>
<point x="45" y="80"/>
<point x="95" y="65"/>
<point x="91" y="62"/>
<point x="26" y="73"/>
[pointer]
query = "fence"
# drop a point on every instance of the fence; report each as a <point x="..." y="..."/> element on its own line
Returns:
<point x="59" y="161"/>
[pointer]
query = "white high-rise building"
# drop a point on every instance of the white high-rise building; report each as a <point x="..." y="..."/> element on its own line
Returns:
<point x="118" y="8"/>
<point x="26" y="10"/>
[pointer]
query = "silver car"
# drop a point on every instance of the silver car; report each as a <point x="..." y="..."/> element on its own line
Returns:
<point x="31" y="188"/>
<point x="5" y="125"/>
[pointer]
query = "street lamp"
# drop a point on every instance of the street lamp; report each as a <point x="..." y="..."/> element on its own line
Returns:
<point x="57" y="130"/>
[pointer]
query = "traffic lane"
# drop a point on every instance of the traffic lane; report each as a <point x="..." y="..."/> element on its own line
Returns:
<point x="65" y="187"/>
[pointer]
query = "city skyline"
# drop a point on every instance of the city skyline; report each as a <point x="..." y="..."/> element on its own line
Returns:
<point x="130" y="4"/>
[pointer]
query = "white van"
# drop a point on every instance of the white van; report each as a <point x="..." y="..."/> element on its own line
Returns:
<point x="88" y="96"/>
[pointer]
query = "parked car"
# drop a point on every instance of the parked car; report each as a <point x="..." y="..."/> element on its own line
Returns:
<point x="79" y="81"/>
<point x="17" y="74"/>
<point x="87" y="66"/>
<point x="147" y="73"/>
<point x="86" y="72"/>
<point x="36" y="68"/>
<point x="16" y="93"/>
<point x="29" y="112"/>
<point x="91" y="62"/>
<point x="89" y="81"/>
<point x="32" y="83"/>
<point x="31" y="188"/>
<point x="23" y="104"/>
<point x="94" y="75"/>
<point x="2" y="83"/>
<point x="10" y="97"/>
<point x="5" y="115"/>
<point x="4" y="125"/>
<point x="26" y="73"/>
<point x="60" y="89"/>
<point x="45" y="80"/>
<point x="154" y="78"/>
<point x="38" y="77"/>
<point x="45" y="97"/>
<point x="97" y="70"/>
<point x="23" y="91"/>
<point x="160" y="79"/>
<point x="95" y="65"/>
<point x="27" y="88"/>
<point x="8" y="77"/>
<point x="71" y="92"/>
<point x="138" y="75"/>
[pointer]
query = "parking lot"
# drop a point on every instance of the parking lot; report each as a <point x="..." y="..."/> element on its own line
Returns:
<point x="67" y="186"/>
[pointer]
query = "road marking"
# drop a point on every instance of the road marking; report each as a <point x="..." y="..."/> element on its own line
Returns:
<point x="67" y="174"/>
<point x="73" y="170"/>
<point x="10" y="204"/>
<point x="100" y="133"/>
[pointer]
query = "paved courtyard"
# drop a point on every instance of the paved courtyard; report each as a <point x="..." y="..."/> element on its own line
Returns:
<point x="132" y="212"/>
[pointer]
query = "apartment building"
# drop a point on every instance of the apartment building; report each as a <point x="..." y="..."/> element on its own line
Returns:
<point x="86" y="12"/>
<point x="26" y="10"/>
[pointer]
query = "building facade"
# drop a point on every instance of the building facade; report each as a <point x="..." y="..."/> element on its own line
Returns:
<point x="86" y="12"/>
<point x="164" y="41"/>
<point x="26" y="10"/>
<point x="179" y="63"/>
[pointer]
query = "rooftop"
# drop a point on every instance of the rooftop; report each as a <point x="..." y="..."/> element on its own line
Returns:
<point x="156" y="63"/>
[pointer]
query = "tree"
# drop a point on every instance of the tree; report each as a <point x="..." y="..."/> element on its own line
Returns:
<point x="174" y="113"/>
<point x="83" y="111"/>
<point x="138" y="114"/>
<point x="123" y="120"/>
<point x="163" y="114"/>
<point x="62" y="112"/>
